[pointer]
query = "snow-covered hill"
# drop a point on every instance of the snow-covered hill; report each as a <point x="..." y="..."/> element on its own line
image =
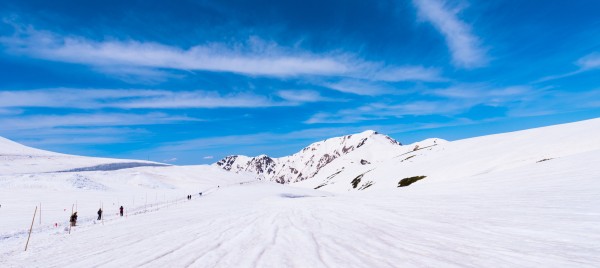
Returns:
<point x="16" y="158"/>
<point x="362" y="149"/>
<point x="451" y="161"/>
<point x="369" y="160"/>
<point x="30" y="177"/>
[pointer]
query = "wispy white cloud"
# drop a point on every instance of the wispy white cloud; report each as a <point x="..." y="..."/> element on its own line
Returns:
<point x="43" y="141"/>
<point x="10" y="111"/>
<point x="402" y="73"/>
<point x="465" y="47"/>
<point x="208" y="157"/>
<point x="170" y="160"/>
<point x="142" y="99"/>
<point x="360" y="87"/>
<point x="379" y="111"/>
<point x="255" y="57"/>
<point x="341" y="117"/>
<point x="302" y="96"/>
<point x="70" y="97"/>
<point x="586" y="63"/>
<point x="481" y="93"/>
<point x="83" y="140"/>
<point x="449" y="101"/>
<point x="590" y="61"/>
<point x="201" y="99"/>
<point x="33" y="122"/>
<point x="553" y="101"/>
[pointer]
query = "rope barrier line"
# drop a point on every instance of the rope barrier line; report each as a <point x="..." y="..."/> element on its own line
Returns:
<point x="89" y="221"/>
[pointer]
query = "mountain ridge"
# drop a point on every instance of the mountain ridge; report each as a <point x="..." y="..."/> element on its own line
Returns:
<point x="308" y="162"/>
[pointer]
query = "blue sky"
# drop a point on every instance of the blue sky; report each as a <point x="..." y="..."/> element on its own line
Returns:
<point x="192" y="81"/>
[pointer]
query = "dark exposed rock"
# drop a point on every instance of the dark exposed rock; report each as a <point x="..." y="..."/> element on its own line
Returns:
<point x="362" y="142"/>
<point x="227" y="162"/>
<point x="408" y="181"/>
<point x="356" y="181"/>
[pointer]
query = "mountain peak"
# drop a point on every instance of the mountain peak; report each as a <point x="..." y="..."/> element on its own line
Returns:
<point x="311" y="159"/>
<point x="369" y="132"/>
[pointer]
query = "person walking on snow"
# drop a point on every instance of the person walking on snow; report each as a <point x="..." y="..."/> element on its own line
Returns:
<point x="99" y="213"/>
<point x="121" y="211"/>
<point x="73" y="219"/>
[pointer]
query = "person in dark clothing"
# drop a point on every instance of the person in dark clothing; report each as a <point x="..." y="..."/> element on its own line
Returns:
<point x="121" y="211"/>
<point x="99" y="213"/>
<point x="73" y="219"/>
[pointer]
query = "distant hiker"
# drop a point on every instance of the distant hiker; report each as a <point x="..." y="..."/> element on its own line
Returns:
<point x="73" y="219"/>
<point x="121" y="211"/>
<point x="200" y="193"/>
<point x="99" y="213"/>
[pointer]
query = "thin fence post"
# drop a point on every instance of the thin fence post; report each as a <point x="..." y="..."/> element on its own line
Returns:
<point x="70" y="224"/>
<point x="31" y="228"/>
<point x="40" y="213"/>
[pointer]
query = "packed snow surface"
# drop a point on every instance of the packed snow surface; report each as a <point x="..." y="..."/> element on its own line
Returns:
<point x="521" y="199"/>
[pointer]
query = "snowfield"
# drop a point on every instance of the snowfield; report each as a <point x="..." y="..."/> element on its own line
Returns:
<point x="521" y="199"/>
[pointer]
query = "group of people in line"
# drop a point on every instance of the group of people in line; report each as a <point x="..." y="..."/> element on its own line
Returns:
<point x="73" y="219"/>
<point x="189" y="197"/>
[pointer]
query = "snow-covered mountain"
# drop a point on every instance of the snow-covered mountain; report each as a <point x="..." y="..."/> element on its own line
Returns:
<point x="457" y="160"/>
<point x="372" y="160"/>
<point x="17" y="158"/>
<point x="362" y="149"/>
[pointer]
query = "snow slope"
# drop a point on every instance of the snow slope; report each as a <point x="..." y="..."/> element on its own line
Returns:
<point x="132" y="188"/>
<point x="16" y="158"/>
<point x="464" y="158"/>
<point x="486" y="202"/>
<point x="538" y="222"/>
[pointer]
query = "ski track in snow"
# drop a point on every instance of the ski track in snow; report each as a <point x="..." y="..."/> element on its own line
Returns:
<point x="224" y="230"/>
